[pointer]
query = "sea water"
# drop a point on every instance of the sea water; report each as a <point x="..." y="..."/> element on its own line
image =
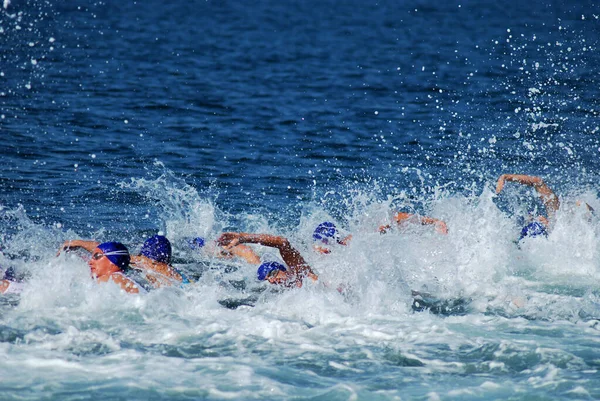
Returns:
<point x="121" y="120"/>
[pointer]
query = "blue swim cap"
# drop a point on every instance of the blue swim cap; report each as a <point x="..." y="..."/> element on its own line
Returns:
<point x="157" y="248"/>
<point x="197" y="242"/>
<point x="325" y="232"/>
<point x="266" y="268"/>
<point x="9" y="274"/>
<point x="116" y="252"/>
<point x="533" y="229"/>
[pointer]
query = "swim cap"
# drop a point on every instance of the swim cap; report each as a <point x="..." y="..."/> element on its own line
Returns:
<point x="533" y="229"/>
<point x="325" y="232"/>
<point x="197" y="242"/>
<point x="9" y="274"/>
<point x="266" y="268"/>
<point x="157" y="248"/>
<point x="116" y="252"/>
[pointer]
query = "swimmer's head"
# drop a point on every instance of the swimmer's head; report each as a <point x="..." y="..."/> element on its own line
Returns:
<point x="9" y="274"/>
<point x="197" y="242"/>
<point x="326" y="233"/>
<point x="116" y="252"/>
<point x="157" y="248"/>
<point x="533" y="229"/>
<point x="267" y="269"/>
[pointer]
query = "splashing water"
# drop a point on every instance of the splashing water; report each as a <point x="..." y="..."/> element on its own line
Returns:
<point x="125" y="120"/>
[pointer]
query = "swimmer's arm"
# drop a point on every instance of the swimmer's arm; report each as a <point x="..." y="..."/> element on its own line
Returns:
<point x="246" y="253"/>
<point x="401" y="217"/>
<point x="529" y="180"/>
<point x="144" y="263"/>
<point x="4" y="284"/>
<point x="345" y="240"/>
<point x="77" y="244"/>
<point x="125" y="283"/>
<point x="440" y="226"/>
<point x="290" y="255"/>
<point x="398" y="218"/>
<point x="546" y="194"/>
<point x="154" y="282"/>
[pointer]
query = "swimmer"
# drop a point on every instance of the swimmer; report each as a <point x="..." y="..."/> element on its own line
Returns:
<point x="108" y="262"/>
<point x="402" y="218"/>
<point x="242" y="252"/>
<point x="539" y="225"/>
<point x="9" y="283"/>
<point x="293" y="275"/>
<point x="327" y="235"/>
<point x="153" y="260"/>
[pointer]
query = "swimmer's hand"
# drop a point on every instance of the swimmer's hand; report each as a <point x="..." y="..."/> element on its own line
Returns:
<point x="384" y="229"/>
<point x="229" y="240"/>
<point x="66" y="246"/>
<point x="441" y="227"/>
<point x="76" y="244"/>
<point x="500" y="183"/>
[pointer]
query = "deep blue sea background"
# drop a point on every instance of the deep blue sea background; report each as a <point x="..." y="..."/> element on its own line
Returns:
<point x="273" y="102"/>
<point x="122" y="118"/>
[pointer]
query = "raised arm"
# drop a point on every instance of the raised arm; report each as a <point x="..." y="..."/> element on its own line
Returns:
<point x="401" y="217"/>
<point x="546" y="194"/>
<point x="246" y="253"/>
<point x="77" y="244"/>
<point x="290" y="255"/>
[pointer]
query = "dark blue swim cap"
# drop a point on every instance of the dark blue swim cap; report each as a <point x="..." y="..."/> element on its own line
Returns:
<point x="266" y="268"/>
<point x="197" y="242"/>
<point x="116" y="252"/>
<point x="533" y="229"/>
<point x="157" y="248"/>
<point x="326" y="232"/>
<point x="9" y="274"/>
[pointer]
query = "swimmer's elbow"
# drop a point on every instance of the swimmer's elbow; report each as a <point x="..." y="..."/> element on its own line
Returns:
<point x="284" y="243"/>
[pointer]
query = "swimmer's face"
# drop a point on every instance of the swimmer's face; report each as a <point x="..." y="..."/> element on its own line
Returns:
<point x="100" y="265"/>
<point x="277" y="277"/>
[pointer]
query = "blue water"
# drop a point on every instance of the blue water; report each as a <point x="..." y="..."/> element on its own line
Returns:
<point x="122" y="119"/>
